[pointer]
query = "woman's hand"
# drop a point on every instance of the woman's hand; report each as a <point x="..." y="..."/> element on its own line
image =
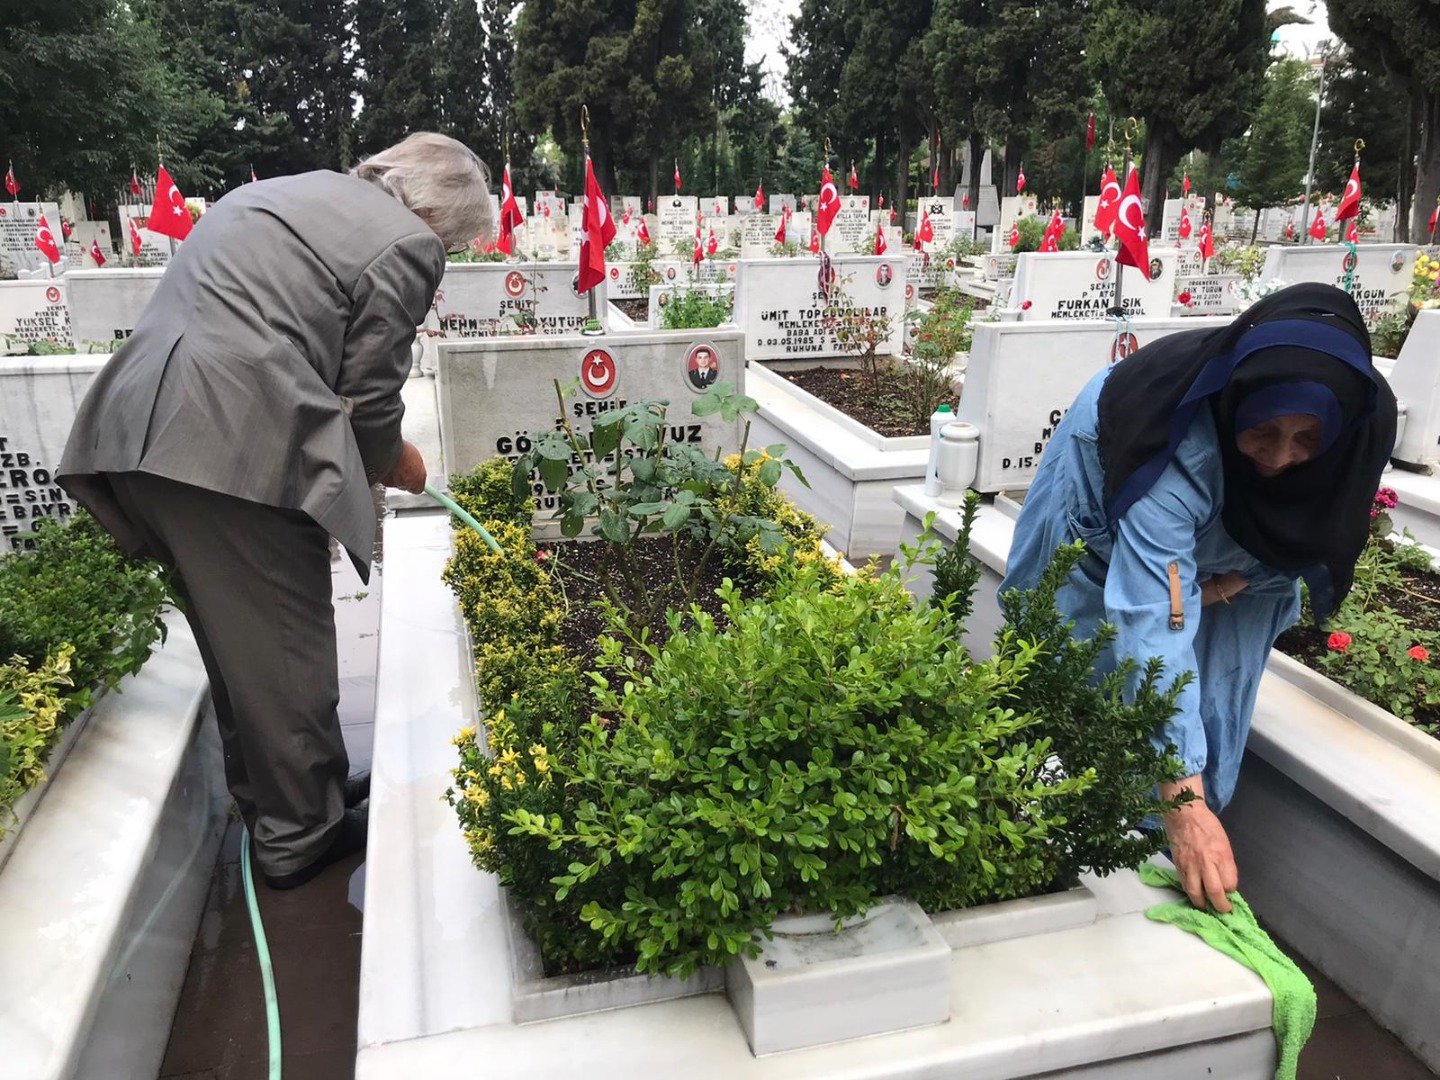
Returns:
<point x="408" y="472"/>
<point x="1221" y="589"/>
<point x="1200" y="848"/>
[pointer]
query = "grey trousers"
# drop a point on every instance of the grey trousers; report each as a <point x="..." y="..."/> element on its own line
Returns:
<point x="256" y="584"/>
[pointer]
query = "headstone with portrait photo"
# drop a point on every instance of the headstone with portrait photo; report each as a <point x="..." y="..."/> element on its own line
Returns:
<point x="497" y="299"/>
<point x="677" y="217"/>
<point x="1012" y="209"/>
<point x="1077" y="285"/>
<point x="785" y="314"/>
<point x="19" y="222"/>
<point x="155" y="248"/>
<point x="1378" y="276"/>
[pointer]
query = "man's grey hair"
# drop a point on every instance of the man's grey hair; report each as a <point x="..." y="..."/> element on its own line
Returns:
<point x="442" y="180"/>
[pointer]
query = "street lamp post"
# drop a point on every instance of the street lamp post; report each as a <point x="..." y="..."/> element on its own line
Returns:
<point x="1314" y="146"/>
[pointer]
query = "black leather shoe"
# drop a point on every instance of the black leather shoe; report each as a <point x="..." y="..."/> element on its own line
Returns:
<point x="354" y="827"/>
<point x="357" y="789"/>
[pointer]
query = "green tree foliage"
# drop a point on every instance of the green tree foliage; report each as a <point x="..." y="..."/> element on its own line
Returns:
<point x="1272" y="168"/>
<point x="1402" y="39"/>
<point x="83" y="93"/>
<point x="397" y="48"/>
<point x="1369" y="105"/>
<point x="652" y="73"/>
<point x="1193" y="76"/>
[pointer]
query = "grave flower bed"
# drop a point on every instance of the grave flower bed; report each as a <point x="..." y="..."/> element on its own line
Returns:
<point x="76" y="616"/>
<point x="1384" y="642"/>
<point x="694" y="723"/>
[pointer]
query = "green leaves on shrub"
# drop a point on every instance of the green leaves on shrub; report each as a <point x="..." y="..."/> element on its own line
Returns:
<point x="694" y="309"/>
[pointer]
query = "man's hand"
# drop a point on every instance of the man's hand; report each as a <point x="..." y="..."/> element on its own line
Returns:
<point x="1200" y="848"/>
<point x="408" y="472"/>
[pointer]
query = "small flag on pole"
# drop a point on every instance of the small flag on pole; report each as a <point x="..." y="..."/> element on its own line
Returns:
<point x="169" y="216"/>
<point x="12" y="186"/>
<point x="1020" y="180"/>
<point x="829" y="204"/>
<point x="1130" y="227"/>
<point x="134" y="182"/>
<point x="1090" y="133"/>
<point x="96" y="254"/>
<point x="677" y="176"/>
<point x="45" y="241"/>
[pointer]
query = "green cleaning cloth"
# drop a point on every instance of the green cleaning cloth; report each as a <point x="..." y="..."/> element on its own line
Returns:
<point x="1239" y="936"/>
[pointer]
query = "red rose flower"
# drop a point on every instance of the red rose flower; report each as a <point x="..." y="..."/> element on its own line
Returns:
<point x="1185" y="299"/>
<point x="1419" y="652"/>
<point x="1026" y="306"/>
<point x="1339" y="641"/>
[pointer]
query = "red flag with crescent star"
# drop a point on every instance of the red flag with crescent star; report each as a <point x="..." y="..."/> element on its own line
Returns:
<point x="814" y="240"/>
<point x="510" y="216"/>
<point x="1350" y="202"/>
<point x="45" y="241"/>
<point x="1130" y="227"/>
<point x="1185" y="183"/>
<point x="1109" y="203"/>
<point x="1318" y="227"/>
<point x="96" y="253"/>
<point x="169" y="216"/>
<point x="1184" y="223"/>
<point x="1352" y="231"/>
<point x="925" y="234"/>
<point x="597" y="229"/>
<point x="1090" y="133"/>
<point x="760" y="196"/>
<point x="642" y="232"/>
<point x="1207" y="240"/>
<point x="136" y="243"/>
<point x="1053" y="230"/>
<point x="879" y="239"/>
<point x="711" y="244"/>
<point x="12" y="186"/>
<point x="784" y="218"/>
<point x="1014" y="236"/>
<point x="829" y="204"/>
<point x="698" y="254"/>
<point x="854" y="181"/>
<point x="134" y="182"/>
<point x="1020" y="181"/>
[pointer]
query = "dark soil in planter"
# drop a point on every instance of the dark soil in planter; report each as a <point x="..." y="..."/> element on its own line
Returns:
<point x="874" y="404"/>
<point x="639" y="310"/>
<point x="581" y="566"/>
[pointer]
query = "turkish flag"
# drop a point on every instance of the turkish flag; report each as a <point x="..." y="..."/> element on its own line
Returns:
<point x="1053" y="231"/>
<point x="1352" y="231"/>
<point x="1207" y="240"/>
<point x="642" y="233"/>
<point x="814" y="241"/>
<point x="882" y="200"/>
<point x="1350" y="202"/>
<point x="879" y="239"/>
<point x="12" y="186"/>
<point x="925" y="234"/>
<point x="677" y="177"/>
<point x="965" y="201"/>
<point x="711" y="244"/>
<point x="1434" y="218"/>
<point x="1109" y="203"/>
<point x="510" y="216"/>
<point x="45" y="241"/>
<point x="597" y="230"/>
<point x="1130" y="227"/>
<point x="96" y="253"/>
<point x="135" y="241"/>
<point x="169" y="216"/>
<point x="1184" y="223"/>
<point x="760" y="196"/>
<point x="935" y="179"/>
<point x="1020" y="181"/>
<point x="66" y="229"/>
<point x="1014" y="236"/>
<point x="1185" y="183"/>
<point x="1090" y="133"/>
<point x="854" y="181"/>
<point x="134" y="183"/>
<point x="1318" y="227"/>
<point x="829" y="204"/>
<point x="699" y="252"/>
<point x="784" y="218"/>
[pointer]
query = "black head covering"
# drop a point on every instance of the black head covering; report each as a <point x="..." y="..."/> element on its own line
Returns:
<point x="1303" y="349"/>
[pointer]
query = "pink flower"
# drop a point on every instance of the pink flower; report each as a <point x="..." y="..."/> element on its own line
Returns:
<point x="1185" y="299"/>
<point x="1339" y="641"/>
<point x="1387" y="498"/>
<point x="1420" y="653"/>
<point x="1027" y="305"/>
<point x="541" y="556"/>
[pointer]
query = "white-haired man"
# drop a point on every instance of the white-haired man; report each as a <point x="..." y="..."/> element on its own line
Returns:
<point x="241" y="426"/>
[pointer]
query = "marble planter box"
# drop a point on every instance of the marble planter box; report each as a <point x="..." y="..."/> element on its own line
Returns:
<point x="851" y="468"/>
<point x="437" y="994"/>
<point x="14" y="820"/>
<point x="101" y="896"/>
<point x="1333" y="820"/>
<point x="885" y="971"/>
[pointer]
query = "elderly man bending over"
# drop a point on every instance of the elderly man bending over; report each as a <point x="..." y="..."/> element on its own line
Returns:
<point x="243" y="424"/>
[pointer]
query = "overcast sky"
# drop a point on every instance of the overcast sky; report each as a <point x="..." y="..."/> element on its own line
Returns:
<point x="770" y="26"/>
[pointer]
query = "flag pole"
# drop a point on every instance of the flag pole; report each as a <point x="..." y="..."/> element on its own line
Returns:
<point x="1132" y="128"/>
<point x="594" y="303"/>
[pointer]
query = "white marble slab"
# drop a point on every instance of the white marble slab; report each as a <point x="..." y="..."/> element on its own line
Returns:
<point x="102" y="893"/>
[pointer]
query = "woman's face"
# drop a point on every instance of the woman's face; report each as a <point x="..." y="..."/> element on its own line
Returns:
<point x="1280" y="443"/>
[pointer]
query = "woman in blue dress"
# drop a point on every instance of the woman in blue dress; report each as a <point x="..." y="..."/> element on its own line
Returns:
<point x="1208" y="473"/>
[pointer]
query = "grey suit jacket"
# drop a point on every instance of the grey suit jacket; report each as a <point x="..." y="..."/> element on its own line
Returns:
<point x="268" y="364"/>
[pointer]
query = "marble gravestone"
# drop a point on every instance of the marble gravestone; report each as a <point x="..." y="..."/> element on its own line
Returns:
<point x="851" y="226"/>
<point x="941" y="212"/>
<point x="490" y="299"/>
<point x="1022" y="377"/>
<point x="39" y="396"/>
<point x="105" y="304"/>
<point x="1012" y="209"/>
<point x="677" y="214"/>
<point x="1416" y="382"/>
<point x="18" y="222"/>
<point x="1381" y="272"/>
<point x="757" y="235"/>
<point x="783" y="314"/>
<point x="780" y="203"/>
<point x="1088" y="231"/>
<point x="34" y="311"/>
<point x="1208" y="294"/>
<point x="1170" y="218"/>
<point x="495" y="396"/>
<point x="1081" y="285"/>
<point x="155" y="249"/>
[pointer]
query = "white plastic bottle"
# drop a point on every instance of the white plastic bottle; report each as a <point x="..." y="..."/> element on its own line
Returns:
<point x="938" y="419"/>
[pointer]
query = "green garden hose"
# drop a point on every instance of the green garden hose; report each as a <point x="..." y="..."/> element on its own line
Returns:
<point x="262" y="950"/>
<point x="460" y="512"/>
